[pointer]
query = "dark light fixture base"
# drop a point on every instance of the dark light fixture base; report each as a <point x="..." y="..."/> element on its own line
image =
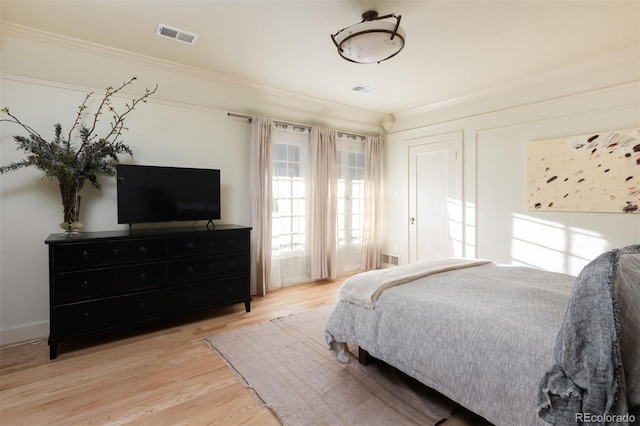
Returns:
<point x="370" y="15"/>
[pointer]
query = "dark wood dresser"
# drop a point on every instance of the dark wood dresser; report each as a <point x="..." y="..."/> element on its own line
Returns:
<point x="103" y="281"/>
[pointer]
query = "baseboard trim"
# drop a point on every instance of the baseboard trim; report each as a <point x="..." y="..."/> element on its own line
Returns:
<point x="26" y="333"/>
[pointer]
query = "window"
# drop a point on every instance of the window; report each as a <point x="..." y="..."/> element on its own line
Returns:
<point x="290" y="188"/>
<point x="350" y="196"/>
<point x="289" y="199"/>
<point x="351" y="173"/>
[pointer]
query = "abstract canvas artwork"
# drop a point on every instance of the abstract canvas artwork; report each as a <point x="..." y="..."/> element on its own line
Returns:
<point x="597" y="172"/>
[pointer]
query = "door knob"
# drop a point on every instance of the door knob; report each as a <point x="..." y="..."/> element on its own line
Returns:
<point x="412" y="220"/>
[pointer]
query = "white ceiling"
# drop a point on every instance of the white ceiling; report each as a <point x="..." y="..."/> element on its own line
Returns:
<point x="454" y="48"/>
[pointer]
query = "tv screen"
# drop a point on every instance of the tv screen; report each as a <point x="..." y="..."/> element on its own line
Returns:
<point x="165" y="194"/>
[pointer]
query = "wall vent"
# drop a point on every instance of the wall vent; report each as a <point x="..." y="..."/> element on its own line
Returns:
<point x="176" y="34"/>
<point x="389" y="259"/>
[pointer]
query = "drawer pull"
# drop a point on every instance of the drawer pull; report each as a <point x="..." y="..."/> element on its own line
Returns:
<point x="231" y="264"/>
<point x="232" y="242"/>
<point x="190" y="269"/>
<point x="143" y="250"/>
<point x="86" y="316"/>
<point x="116" y="252"/>
<point x="85" y="254"/>
<point x="85" y="284"/>
<point x="189" y="245"/>
<point x="143" y="276"/>
<point x="143" y="305"/>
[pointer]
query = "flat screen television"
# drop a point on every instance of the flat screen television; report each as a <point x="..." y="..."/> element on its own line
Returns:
<point x="165" y="194"/>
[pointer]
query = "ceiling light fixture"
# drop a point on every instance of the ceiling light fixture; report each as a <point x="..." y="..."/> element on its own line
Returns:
<point x="370" y="41"/>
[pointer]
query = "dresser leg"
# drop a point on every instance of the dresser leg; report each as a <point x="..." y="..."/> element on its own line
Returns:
<point x="53" y="351"/>
<point x="247" y="305"/>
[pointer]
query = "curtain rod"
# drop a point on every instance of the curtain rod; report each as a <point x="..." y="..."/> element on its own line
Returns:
<point x="244" y="117"/>
<point x="303" y="126"/>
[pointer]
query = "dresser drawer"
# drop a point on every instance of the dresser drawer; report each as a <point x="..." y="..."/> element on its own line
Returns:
<point x="89" y="254"/>
<point x="202" y="268"/>
<point x="107" y="280"/>
<point x="208" y="243"/>
<point x="209" y="294"/>
<point x="92" y="283"/>
<point x="77" y="318"/>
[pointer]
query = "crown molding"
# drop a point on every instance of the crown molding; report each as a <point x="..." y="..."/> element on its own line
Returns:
<point x="77" y="88"/>
<point x="622" y="55"/>
<point x="514" y="109"/>
<point x="58" y="40"/>
<point x="9" y="28"/>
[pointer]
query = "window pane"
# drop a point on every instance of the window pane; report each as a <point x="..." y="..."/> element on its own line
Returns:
<point x="280" y="152"/>
<point x="297" y="188"/>
<point x="280" y="169"/>
<point x="341" y="188"/>
<point x="294" y="152"/>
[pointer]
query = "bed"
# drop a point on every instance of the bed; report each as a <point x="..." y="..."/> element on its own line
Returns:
<point x="513" y="344"/>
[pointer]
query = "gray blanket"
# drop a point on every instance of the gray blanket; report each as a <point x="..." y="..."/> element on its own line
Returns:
<point x="596" y="375"/>
<point x="483" y="336"/>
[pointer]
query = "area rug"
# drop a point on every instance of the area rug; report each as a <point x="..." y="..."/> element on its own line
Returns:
<point x="287" y="364"/>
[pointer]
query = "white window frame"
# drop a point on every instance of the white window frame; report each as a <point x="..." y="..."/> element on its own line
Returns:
<point x="301" y="141"/>
<point x="346" y="192"/>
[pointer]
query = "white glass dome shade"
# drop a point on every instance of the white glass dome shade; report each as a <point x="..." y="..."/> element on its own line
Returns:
<point x="370" y="41"/>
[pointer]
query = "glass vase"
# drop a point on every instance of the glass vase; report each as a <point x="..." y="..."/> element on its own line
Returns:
<point x="70" y="188"/>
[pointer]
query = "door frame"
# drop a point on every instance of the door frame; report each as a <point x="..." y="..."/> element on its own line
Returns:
<point x="455" y="143"/>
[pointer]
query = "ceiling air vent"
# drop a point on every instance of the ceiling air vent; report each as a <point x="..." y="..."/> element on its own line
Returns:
<point x="176" y="34"/>
<point x="362" y="89"/>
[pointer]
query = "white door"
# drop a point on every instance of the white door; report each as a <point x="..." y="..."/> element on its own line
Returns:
<point x="435" y="197"/>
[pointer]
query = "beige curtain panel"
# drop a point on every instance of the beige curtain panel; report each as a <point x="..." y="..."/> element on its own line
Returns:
<point x="324" y="201"/>
<point x="260" y="185"/>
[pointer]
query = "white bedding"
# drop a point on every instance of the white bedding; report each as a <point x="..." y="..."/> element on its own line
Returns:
<point x="364" y="289"/>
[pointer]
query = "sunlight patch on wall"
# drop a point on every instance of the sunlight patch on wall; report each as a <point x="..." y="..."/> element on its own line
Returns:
<point x="454" y="210"/>
<point x="553" y="246"/>
<point x="585" y="245"/>
<point x="470" y="249"/>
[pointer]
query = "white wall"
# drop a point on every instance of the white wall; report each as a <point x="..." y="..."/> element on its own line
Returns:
<point x="497" y="223"/>
<point x="44" y="80"/>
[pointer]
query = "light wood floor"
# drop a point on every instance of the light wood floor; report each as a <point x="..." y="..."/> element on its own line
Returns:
<point x="153" y="376"/>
